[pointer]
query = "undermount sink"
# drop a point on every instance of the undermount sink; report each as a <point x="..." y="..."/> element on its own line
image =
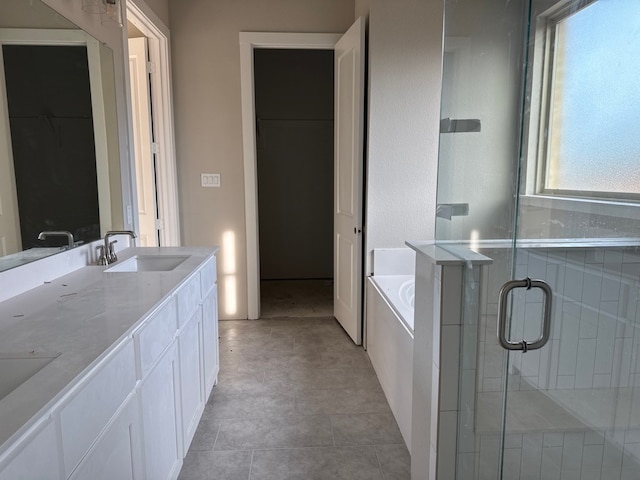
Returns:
<point x="17" y="368"/>
<point x="149" y="263"/>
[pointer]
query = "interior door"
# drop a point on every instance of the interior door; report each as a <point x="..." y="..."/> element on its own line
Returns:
<point x="143" y="142"/>
<point x="349" y="133"/>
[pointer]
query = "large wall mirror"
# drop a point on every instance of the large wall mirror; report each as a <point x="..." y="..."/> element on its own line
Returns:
<point x="59" y="152"/>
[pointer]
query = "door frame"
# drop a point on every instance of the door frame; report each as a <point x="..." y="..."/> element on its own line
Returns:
<point x="248" y="42"/>
<point x="157" y="33"/>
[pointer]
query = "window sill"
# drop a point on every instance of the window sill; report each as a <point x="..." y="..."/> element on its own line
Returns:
<point x="592" y="206"/>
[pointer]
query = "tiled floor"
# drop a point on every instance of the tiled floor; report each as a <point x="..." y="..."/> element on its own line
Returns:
<point x="296" y="399"/>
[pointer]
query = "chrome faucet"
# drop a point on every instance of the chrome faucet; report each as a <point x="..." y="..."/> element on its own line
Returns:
<point x="107" y="251"/>
<point x="58" y="233"/>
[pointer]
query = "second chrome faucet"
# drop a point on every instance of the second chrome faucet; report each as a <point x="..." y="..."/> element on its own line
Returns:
<point x="107" y="251"/>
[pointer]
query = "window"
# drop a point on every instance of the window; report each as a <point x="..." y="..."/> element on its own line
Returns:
<point x="589" y="145"/>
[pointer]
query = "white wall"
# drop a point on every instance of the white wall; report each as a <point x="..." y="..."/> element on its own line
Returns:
<point x="404" y="107"/>
<point x="206" y="80"/>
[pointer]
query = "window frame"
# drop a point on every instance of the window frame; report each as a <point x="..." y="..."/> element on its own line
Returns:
<point x="542" y="82"/>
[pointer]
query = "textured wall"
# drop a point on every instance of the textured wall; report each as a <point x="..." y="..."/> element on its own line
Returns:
<point x="404" y="105"/>
<point x="159" y="7"/>
<point x="362" y="8"/>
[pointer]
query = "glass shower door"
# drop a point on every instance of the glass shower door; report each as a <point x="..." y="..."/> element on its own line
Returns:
<point x="477" y="182"/>
<point x="572" y="406"/>
<point x="539" y="170"/>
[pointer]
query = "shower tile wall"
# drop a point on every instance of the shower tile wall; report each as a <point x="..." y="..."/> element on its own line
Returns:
<point x="589" y="373"/>
<point x="595" y="340"/>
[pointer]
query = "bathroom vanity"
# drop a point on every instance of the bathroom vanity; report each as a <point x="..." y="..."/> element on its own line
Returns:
<point x="105" y="371"/>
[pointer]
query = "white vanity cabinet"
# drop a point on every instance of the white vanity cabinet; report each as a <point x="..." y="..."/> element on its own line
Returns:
<point x="133" y="414"/>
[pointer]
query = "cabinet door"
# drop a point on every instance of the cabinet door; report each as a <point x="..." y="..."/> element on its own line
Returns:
<point x="91" y="409"/>
<point x="161" y="423"/>
<point x="39" y="458"/>
<point x="191" y="376"/>
<point x="210" y="340"/>
<point x="116" y="454"/>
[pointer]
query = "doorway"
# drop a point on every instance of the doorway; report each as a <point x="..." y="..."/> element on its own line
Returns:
<point x="153" y="146"/>
<point x="294" y="94"/>
<point x="250" y="42"/>
<point x="348" y="160"/>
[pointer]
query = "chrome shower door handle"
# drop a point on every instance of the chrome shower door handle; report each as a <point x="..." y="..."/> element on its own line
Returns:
<point x="502" y="315"/>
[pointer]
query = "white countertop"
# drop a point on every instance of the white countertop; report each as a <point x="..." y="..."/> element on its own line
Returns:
<point x="79" y="316"/>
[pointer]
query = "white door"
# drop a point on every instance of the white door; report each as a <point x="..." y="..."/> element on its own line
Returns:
<point x="143" y="142"/>
<point x="349" y="125"/>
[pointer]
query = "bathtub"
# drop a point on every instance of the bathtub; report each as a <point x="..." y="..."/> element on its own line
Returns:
<point x="389" y="330"/>
<point x="399" y="292"/>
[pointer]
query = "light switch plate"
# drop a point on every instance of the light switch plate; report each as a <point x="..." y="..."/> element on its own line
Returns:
<point x="210" y="179"/>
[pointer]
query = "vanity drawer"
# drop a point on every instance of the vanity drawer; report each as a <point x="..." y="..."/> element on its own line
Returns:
<point x="188" y="299"/>
<point x="208" y="276"/>
<point x="90" y="410"/>
<point x="155" y="336"/>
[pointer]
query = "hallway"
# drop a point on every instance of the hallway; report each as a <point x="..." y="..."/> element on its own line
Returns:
<point x="295" y="399"/>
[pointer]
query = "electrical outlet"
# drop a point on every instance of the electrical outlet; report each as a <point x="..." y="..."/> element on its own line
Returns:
<point x="210" y="179"/>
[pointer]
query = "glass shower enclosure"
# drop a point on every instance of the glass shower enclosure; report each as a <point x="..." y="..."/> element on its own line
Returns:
<point x="539" y="170"/>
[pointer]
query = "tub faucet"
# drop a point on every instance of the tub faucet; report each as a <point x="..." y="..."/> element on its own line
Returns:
<point x="59" y="233"/>
<point x="108" y="254"/>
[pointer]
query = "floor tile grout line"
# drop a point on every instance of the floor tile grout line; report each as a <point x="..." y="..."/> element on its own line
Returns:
<point x="217" y="435"/>
<point x="333" y="438"/>
<point x="312" y="447"/>
<point x="375" y="450"/>
<point x="251" y="463"/>
<point x="296" y="415"/>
